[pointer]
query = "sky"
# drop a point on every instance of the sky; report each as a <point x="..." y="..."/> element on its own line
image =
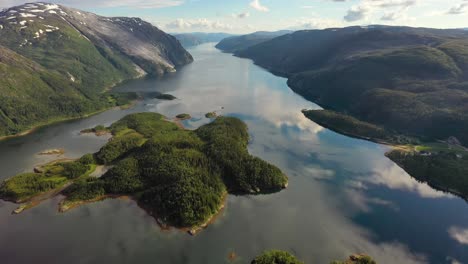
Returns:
<point x="244" y="16"/>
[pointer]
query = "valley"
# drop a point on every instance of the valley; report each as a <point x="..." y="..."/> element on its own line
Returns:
<point x="338" y="186"/>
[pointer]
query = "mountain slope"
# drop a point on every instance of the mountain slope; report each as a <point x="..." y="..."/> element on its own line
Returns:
<point x="57" y="62"/>
<point x="237" y="43"/>
<point x="412" y="81"/>
<point x="198" y="38"/>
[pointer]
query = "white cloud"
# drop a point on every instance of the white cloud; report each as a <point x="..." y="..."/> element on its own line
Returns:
<point x="398" y="14"/>
<point x="315" y="23"/>
<point x="394" y="9"/>
<point x="197" y="24"/>
<point x="319" y="173"/>
<point x="255" y="4"/>
<point x="364" y="203"/>
<point x="459" y="234"/>
<point x="393" y="177"/>
<point x="458" y="9"/>
<point x="357" y="13"/>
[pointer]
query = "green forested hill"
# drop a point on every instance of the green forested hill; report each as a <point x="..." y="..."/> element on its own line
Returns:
<point x="58" y="62"/>
<point x="409" y="80"/>
<point x="30" y="94"/>
<point x="237" y="43"/>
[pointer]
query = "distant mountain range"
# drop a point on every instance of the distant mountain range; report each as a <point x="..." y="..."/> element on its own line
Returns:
<point x="194" y="39"/>
<point x="410" y="80"/>
<point x="237" y="43"/>
<point x="56" y="62"/>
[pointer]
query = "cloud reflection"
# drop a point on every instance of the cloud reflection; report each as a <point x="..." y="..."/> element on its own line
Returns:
<point x="459" y="234"/>
<point x="393" y="177"/>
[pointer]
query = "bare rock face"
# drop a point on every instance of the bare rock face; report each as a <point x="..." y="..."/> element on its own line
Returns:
<point x="150" y="49"/>
<point x="453" y="141"/>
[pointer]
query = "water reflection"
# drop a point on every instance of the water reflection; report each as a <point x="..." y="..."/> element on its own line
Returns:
<point x="459" y="234"/>
<point x="344" y="195"/>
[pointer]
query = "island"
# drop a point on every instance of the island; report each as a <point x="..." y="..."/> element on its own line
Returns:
<point x="98" y="130"/>
<point x="283" y="257"/>
<point x="168" y="97"/>
<point x="356" y="259"/>
<point x="181" y="177"/>
<point x="442" y="164"/>
<point x="276" y="257"/>
<point x="183" y="116"/>
<point x="52" y="152"/>
<point x="211" y="115"/>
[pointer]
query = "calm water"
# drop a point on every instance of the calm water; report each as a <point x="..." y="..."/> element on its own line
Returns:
<point x="344" y="196"/>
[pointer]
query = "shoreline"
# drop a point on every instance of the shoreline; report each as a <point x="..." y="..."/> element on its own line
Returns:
<point x="86" y="115"/>
<point x="64" y="207"/>
<point x="65" y="119"/>
<point x="194" y="230"/>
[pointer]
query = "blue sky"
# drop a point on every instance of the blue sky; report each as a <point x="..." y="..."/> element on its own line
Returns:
<point x="243" y="16"/>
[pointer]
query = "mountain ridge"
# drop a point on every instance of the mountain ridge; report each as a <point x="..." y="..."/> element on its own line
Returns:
<point x="197" y="38"/>
<point x="237" y="43"/>
<point x="77" y="56"/>
<point x="405" y="79"/>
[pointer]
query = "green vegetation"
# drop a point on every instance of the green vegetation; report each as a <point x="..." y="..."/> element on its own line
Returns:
<point x="356" y="259"/>
<point x="66" y="73"/>
<point x="276" y="257"/>
<point x="36" y="82"/>
<point x="227" y="140"/>
<point x="183" y="116"/>
<point x="443" y="169"/>
<point x="238" y="43"/>
<point x="23" y="187"/>
<point x="442" y="165"/>
<point x="181" y="176"/>
<point x="408" y="81"/>
<point x="84" y="190"/>
<point x="99" y="129"/>
<point x="394" y="85"/>
<point x="353" y="127"/>
<point x="211" y="115"/>
<point x="165" y="97"/>
<point x="119" y="147"/>
<point x="283" y="257"/>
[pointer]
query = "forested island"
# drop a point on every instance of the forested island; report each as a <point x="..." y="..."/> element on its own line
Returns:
<point x="168" y="97"/>
<point x="179" y="176"/>
<point x="283" y="257"/>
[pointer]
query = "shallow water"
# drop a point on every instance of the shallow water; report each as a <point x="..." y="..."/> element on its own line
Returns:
<point x="344" y="195"/>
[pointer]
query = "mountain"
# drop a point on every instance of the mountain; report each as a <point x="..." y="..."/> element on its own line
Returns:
<point x="236" y="43"/>
<point x="57" y="62"/>
<point x="412" y="81"/>
<point x="194" y="39"/>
